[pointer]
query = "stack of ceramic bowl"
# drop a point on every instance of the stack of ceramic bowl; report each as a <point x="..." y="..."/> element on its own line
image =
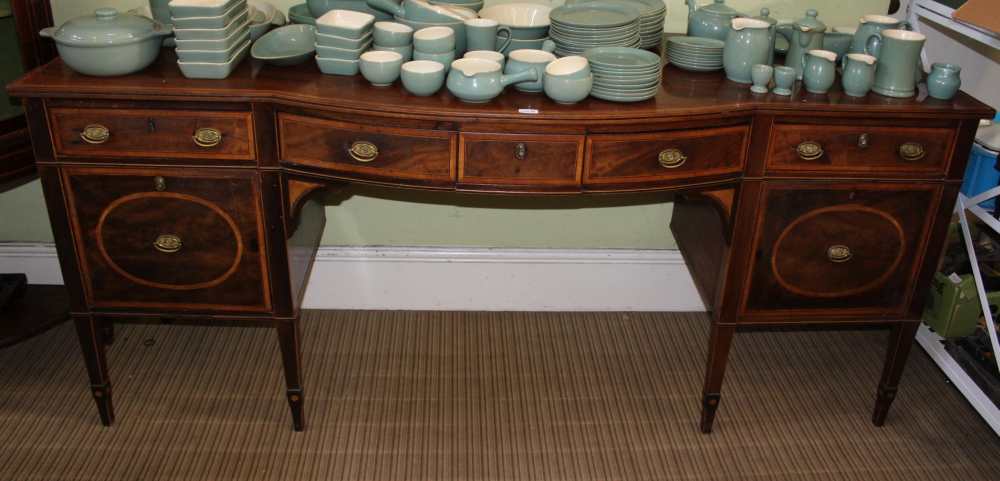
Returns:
<point x="652" y="13"/>
<point x="528" y="24"/>
<point x="582" y="26"/>
<point x="697" y="54"/>
<point x="624" y="74"/>
<point x="213" y="36"/>
<point x="318" y="8"/>
<point x="341" y="37"/>
<point x="394" y="37"/>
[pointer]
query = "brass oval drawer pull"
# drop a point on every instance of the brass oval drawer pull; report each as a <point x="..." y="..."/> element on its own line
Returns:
<point x="520" y="151"/>
<point x="168" y="243"/>
<point x="363" y="151"/>
<point x="95" y="134"/>
<point x="207" y="137"/>
<point x="809" y="150"/>
<point x="671" y="158"/>
<point x="912" y="151"/>
<point x="839" y="253"/>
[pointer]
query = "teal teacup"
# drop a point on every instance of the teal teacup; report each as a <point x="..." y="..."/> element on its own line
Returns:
<point x="393" y="34"/>
<point x="820" y="71"/>
<point x="858" y="75"/>
<point x="422" y="77"/>
<point x="435" y="40"/>
<point x="528" y="59"/>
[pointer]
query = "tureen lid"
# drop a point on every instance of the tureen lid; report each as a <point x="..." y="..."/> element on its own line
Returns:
<point x="106" y="27"/>
<point x="719" y="8"/>
<point x="811" y="22"/>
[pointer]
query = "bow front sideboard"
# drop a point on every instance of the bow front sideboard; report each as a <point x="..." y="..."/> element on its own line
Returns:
<point x="190" y="200"/>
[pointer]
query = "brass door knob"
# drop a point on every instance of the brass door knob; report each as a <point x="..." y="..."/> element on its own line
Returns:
<point x="95" y="134"/>
<point x="159" y="183"/>
<point x="912" y="151"/>
<point x="363" y="151"/>
<point x="671" y="158"/>
<point x="168" y="243"/>
<point x="520" y="151"/>
<point x="864" y="140"/>
<point x="207" y="137"/>
<point x="839" y="253"/>
<point x="809" y="150"/>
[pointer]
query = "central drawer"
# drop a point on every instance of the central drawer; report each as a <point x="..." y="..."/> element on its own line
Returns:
<point x="424" y="157"/>
<point x="541" y="161"/>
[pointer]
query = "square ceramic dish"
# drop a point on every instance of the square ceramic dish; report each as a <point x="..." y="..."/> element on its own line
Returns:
<point x="342" y="53"/>
<point x="212" y="33"/>
<point x="332" y="66"/>
<point x="221" y="21"/>
<point x="210" y="56"/>
<point x="345" y="23"/>
<point x="207" y="70"/>
<point x="342" y="42"/>
<point x="200" y="8"/>
<point x="236" y="38"/>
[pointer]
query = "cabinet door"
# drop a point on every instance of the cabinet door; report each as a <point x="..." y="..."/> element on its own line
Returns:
<point x="169" y="238"/>
<point x="838" y="249"/>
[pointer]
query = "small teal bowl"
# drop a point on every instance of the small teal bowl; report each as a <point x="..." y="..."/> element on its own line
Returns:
<point x="393" y="34"/>
<point x="438" y="39"/>
<point x="381" y="68"/>
<point x="422" y="77"/>
<point x="288" y="45"/>
<point x="441" y="58"/>
<point x="406" y="51"/>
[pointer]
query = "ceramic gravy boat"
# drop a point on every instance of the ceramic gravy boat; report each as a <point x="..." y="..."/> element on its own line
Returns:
<point x="477" y="80"/>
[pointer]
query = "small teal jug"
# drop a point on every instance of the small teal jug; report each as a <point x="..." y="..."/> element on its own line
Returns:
<point x="944" y="81"/>
<point x="859" y="74"/>
<point x="820" y="71"/>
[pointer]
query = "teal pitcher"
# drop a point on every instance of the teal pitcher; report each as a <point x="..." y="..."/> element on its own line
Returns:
<point x="898" y="54"/>
<point x="804" y="35"/>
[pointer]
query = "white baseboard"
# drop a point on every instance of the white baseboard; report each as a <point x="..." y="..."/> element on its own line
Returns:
<point x="449" y="278"/>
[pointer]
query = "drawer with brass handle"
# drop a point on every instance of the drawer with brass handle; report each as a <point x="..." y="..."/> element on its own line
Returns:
<point x="422" y="157"/>
<point x="188" y="239"/>
<point x="206" y="136"/>
<point x="665" y="157"/>
<point x="838" y="247"/>
<point x="859" y="150"/>
<point x="539" y="161"/>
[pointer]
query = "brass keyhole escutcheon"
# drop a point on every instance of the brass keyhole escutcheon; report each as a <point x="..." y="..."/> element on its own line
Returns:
<point x="912" y="151"/>
<point x="671" y="158"/>
<point x="207" y="137"/>
<point x="363" y="151"/>
<point x="95" y="134"/>
<point x="839" y="253"/>
<point x="809" y="150"/>
<point x="864" y="140"/>
<point x="520" y="151"/>
<point x="159" y="183"/>
<point x="168" y="243"/>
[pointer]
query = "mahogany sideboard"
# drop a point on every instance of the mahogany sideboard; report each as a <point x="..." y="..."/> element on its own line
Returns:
<point x="189" y="200"/>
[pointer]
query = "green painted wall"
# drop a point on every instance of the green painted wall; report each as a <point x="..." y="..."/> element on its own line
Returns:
<point x="377" y="216"/>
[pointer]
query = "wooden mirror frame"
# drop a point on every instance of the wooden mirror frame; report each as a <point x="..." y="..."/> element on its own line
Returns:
<point x="17" y="164"/>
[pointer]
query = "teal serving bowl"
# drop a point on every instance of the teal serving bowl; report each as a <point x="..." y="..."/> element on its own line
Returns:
<point x="288" y="45"/>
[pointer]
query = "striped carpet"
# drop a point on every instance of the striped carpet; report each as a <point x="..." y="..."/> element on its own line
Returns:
<point x="482" y="396"/>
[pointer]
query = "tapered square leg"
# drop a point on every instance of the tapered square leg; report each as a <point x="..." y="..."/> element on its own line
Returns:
<point x="900" y="343"/>
<point x="289" y="339"/>
<point x="720" y="341"/>
<point x="92" y="345"/>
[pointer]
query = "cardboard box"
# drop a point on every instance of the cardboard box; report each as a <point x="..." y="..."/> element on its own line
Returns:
<point x="981" y="13"/>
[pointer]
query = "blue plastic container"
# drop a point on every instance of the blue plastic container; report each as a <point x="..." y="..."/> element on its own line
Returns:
<point x="981" y="174"/>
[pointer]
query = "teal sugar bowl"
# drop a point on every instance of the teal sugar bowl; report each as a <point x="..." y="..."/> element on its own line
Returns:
<point x="944" y="81"/>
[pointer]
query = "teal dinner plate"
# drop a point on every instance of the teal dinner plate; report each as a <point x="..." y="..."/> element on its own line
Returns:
<point x="594" y="14"/>
<point x="617" y="98"/>
<point x="622" y="57"/>
<point x="697" y="42"/>
<point x="693" y="68"/>
<point x="644" y="8"/>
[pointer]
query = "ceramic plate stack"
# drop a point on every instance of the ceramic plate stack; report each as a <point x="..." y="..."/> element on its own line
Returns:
<point x="652" y="13"/>
<point x="623" y="74"/>
<point x="696" y="54"/>
<point x="581" y="26"/>
<point x="213" y="36"/>
<point x="341" y="37"/>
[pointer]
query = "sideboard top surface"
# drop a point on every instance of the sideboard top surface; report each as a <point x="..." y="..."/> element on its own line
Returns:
<point x="683" y="94"/>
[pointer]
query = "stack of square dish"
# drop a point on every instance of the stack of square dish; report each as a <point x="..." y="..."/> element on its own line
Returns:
<point x="213" y="36"/>
<point x="341" y="37"/>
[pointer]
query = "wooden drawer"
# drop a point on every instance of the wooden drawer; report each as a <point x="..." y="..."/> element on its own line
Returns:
<point x="839" y="248"/>
<point x="846" y="149"/>
<point x="367" y="151"/>
<point x="169" y="238"/>
<point x="664" y="157"/>
<point x="544" y="161"/>
<point x="182" y="134"/>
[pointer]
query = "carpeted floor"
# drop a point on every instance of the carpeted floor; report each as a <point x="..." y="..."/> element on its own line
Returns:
<point x="483" y="396"/>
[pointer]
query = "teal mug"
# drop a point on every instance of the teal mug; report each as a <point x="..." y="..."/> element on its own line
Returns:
<point x="820" y="71"/>
<point x="486" y="34"/>
<point x="858" y="75"/>
<point x="898" y="54"/>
